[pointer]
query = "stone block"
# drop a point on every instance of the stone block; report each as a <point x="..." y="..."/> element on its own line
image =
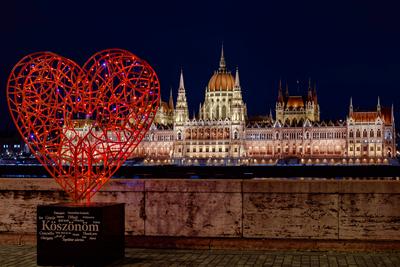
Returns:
<point x="278" y="215"/>
<point x="369" y="216"/>
<point x="193" y="214"/>
<point x="134" y="208"/>
<point x="18" y="209"/>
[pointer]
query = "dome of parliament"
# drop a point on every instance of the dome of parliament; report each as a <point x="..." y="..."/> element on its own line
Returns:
<point x="222" y="80"/>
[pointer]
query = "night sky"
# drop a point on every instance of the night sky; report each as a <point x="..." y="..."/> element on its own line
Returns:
<point x="348" y="49"/>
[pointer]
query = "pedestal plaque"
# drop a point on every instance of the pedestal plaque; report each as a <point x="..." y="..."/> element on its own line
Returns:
<point x="80" y="234"/>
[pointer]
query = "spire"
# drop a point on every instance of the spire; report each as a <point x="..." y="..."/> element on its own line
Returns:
<point x="181" y="83"/>
<point x="171" y="100"/>
<point x="280" y="95"/>
<point x="222" y="64"/>
<point x="315" y="94"/>
<point x="200" y="113"/>
<point x="351" y="106"/>
<point x="287" y="90"/>
<point x="378" y="106"/>
<point x="270" y="114"/>
<point x="181" y="109"/>
<point x="310" y="96"/>
<point x="237" y="81"/>
<point x="392" y="111"/>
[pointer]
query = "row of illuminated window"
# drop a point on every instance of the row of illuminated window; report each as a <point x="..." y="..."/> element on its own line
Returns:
<point x="296" y="135"/>
<point x="207" y="150"/>
<point x="364" y="141"/>
<point x="365" y="133"/>
<point x="328" y="135"/>
<point x="365" y="148"/>
<point x="218" y="94"/>
<point x="259" y="136"/>
<point x="299" y="150"/>
<point x="165" y="138"/>
<point x="152" y="137"/>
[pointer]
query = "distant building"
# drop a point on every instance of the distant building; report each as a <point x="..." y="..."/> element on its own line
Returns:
<point x="12" y="147"/>
<point x="222" y="133"/>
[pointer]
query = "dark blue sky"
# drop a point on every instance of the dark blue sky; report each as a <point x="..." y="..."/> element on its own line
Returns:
<point x="349" y="49"/>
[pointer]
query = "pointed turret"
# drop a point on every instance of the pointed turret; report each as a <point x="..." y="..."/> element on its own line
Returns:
<point x="315" y="98"/>
<point x="287" y="89"/>
<point x="309" y="95"/>
<point x="222" y="64"/>
<point x="392" y="113"/>
<point x="378" y="106"/>
<point x="237" y="80"/>
<point x="200" y="112"/>
<point x="351" y="107"/>
<point x="270" y="115"/>
<point x="280" y="94"/>
<point x="171" y="100"/>
<point x="181" y="109"/>
<point x="181" y="82"/>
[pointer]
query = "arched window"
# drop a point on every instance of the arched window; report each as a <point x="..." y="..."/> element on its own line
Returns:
<point x="365" y="134"/>
<point x="358" y="133"/>
<point x="236" y="135"/>
<point x="371" y="133"/>
<point x="351" y="134"/>
<point x="307" y="135"/>
<point x="388" y="135"/>
<point x="379" y="133"/>
<point x="179" y="136"/>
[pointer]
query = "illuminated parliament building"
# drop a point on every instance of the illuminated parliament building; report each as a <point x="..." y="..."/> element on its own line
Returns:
<point x="223" y="134"/>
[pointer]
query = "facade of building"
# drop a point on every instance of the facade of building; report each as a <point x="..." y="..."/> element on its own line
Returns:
<point x="223" y="134"/>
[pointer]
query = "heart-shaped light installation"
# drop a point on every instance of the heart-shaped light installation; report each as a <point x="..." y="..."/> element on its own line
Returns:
<point x="83" y="123"/>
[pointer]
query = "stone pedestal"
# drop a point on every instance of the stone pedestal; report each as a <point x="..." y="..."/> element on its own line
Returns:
<point x="80" y="234"/>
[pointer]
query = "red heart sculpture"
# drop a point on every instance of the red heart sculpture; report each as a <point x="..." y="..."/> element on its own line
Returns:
<point x="83" y="123"/>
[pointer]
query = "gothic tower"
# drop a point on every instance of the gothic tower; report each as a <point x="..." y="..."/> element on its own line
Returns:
<point x="181" y="110"/>
<point x="181" y="116"/>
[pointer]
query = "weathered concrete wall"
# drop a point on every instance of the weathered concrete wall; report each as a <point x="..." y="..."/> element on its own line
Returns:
<point x="244" y="209"/>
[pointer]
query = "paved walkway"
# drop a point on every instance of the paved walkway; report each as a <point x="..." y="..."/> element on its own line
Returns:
<point x="25" y="256"/>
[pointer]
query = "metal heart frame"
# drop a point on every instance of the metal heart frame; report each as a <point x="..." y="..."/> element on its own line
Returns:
<point x="83" y="123"/>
